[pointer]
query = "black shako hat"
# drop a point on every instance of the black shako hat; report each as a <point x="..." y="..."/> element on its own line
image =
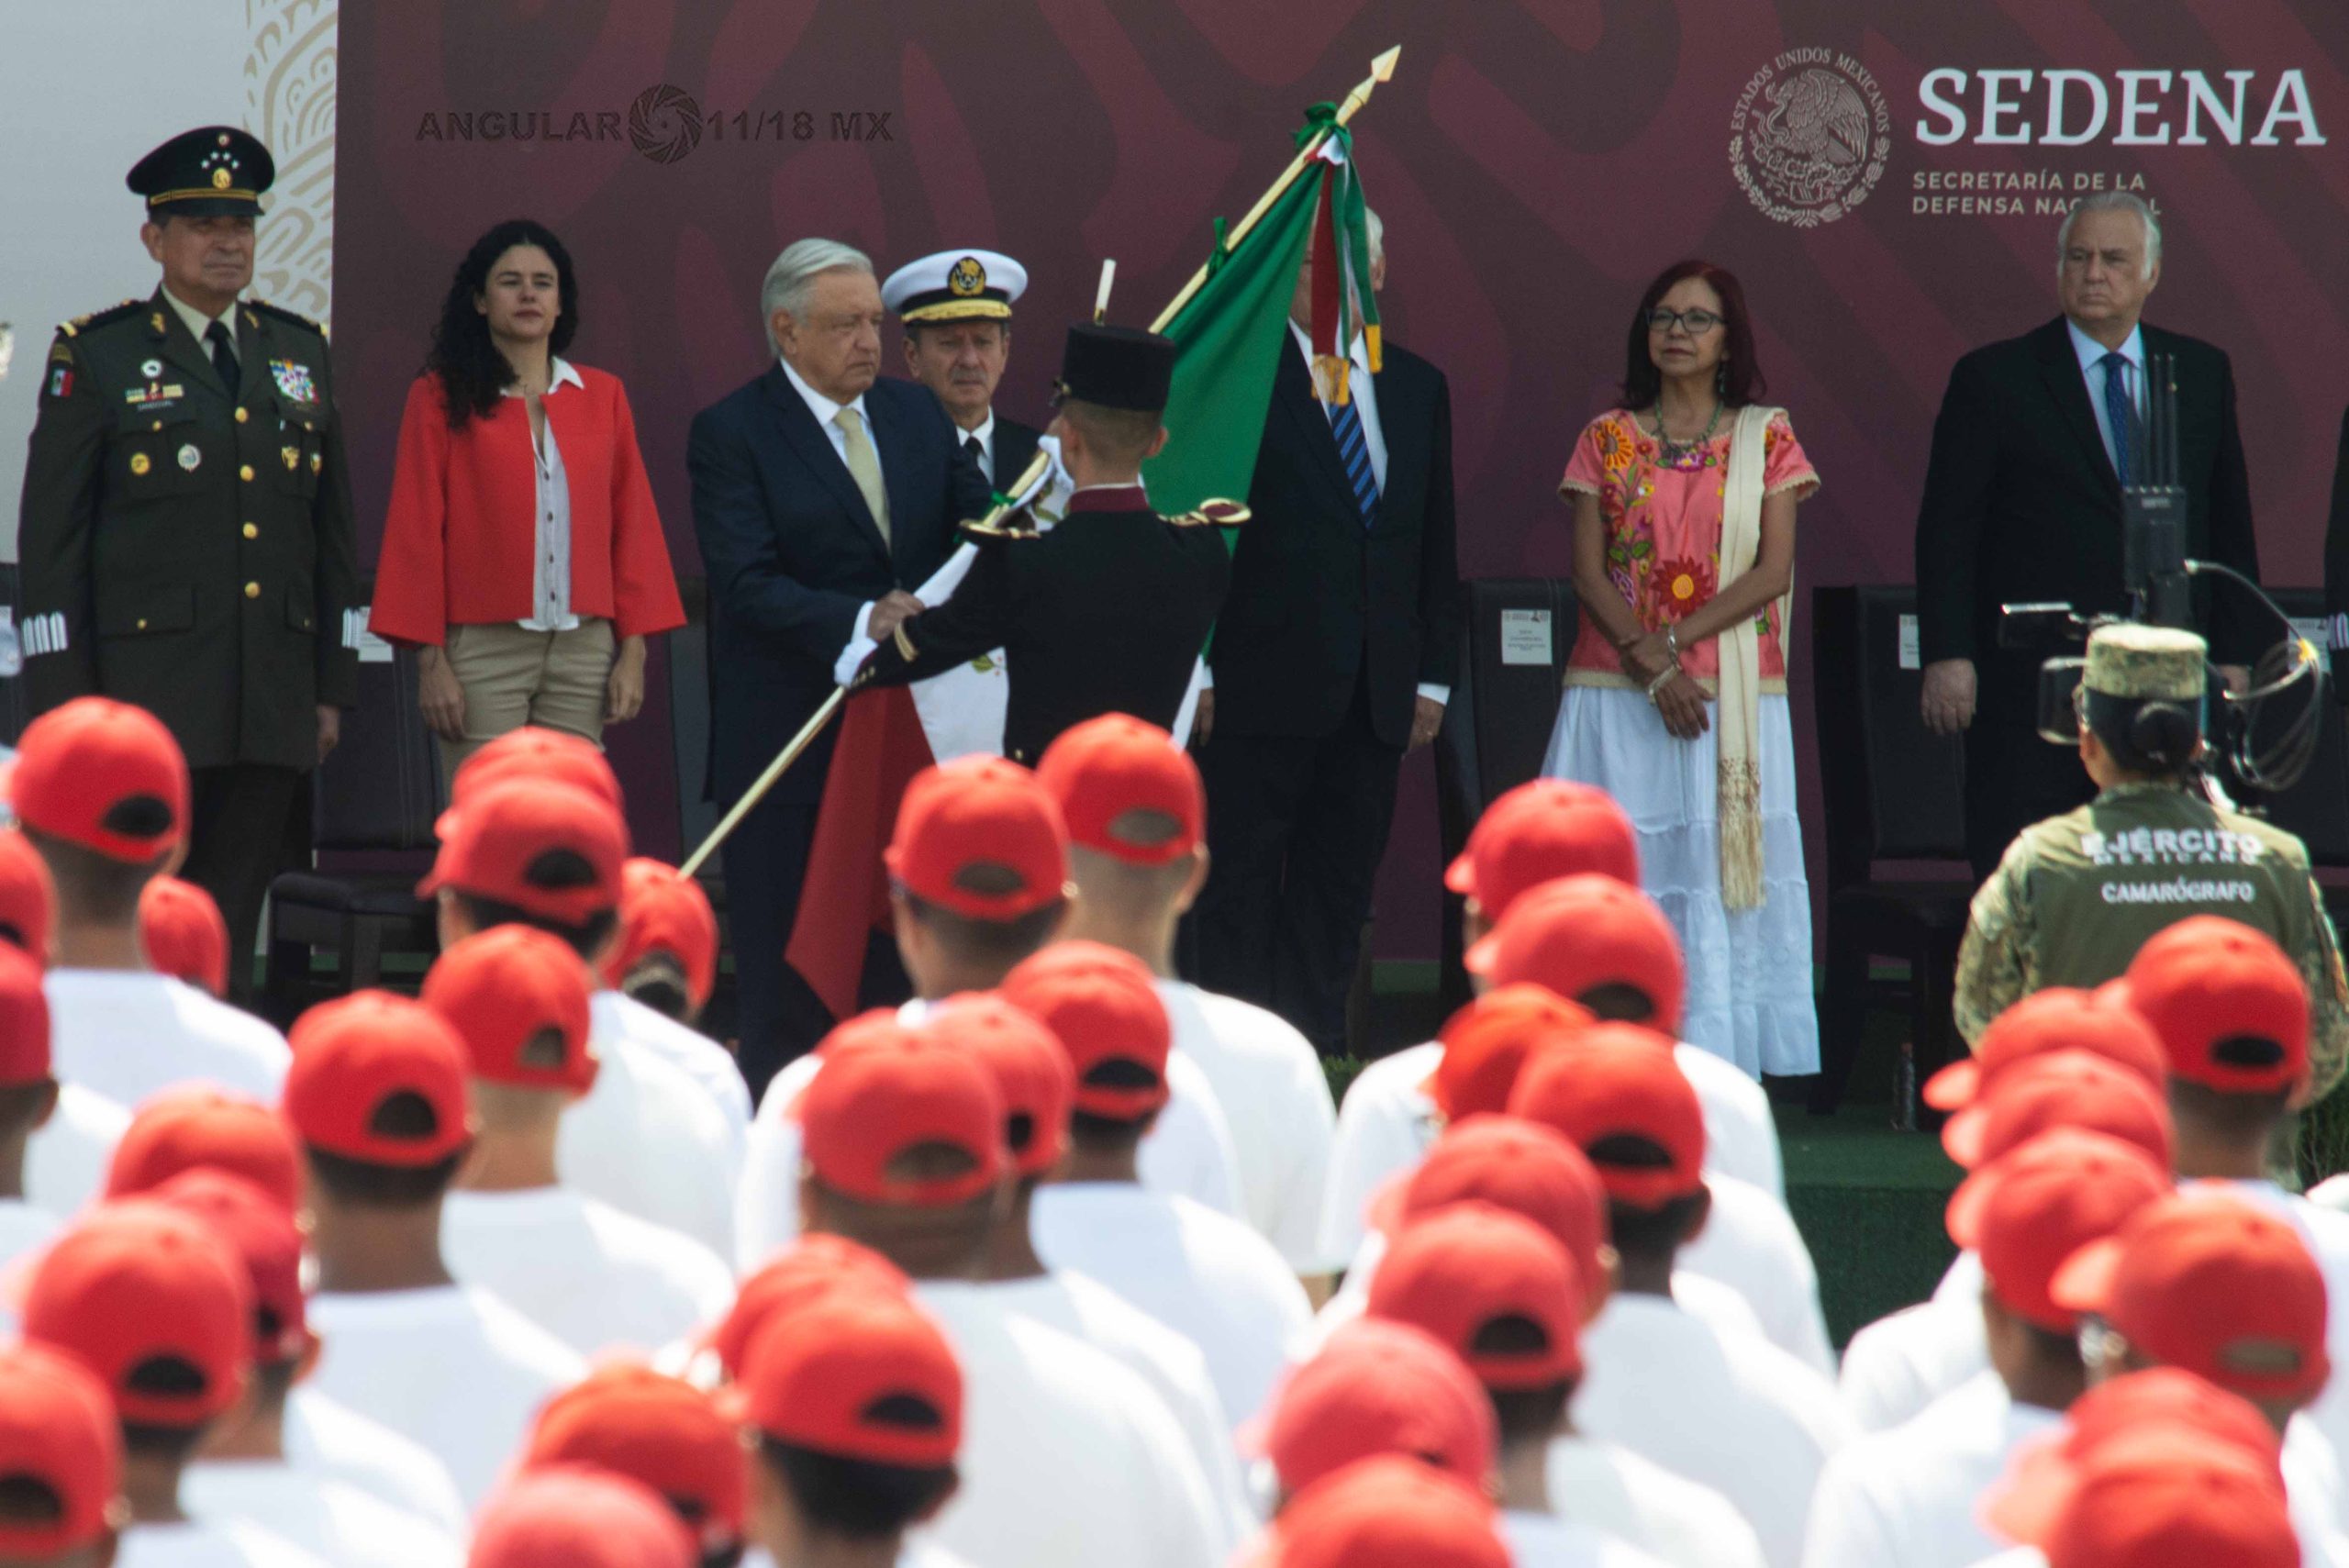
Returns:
<point x="213" y="171"/>
<point x="1116" y="367"/>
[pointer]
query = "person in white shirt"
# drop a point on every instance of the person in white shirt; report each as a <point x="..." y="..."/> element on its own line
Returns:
<point x="242" y="1473"/>
<point x="1386" y="1511"/>
<point x="664" y="1432"/>
<point x="977" y="823"/>
<point x="158" y="1305"/>
<point x="1137" y="822"/>
<point x="101" y="791"/>
<point x="27" y="1098"/>
<point x="1911" y="1498"/>
<point x="1032" y="1075"/>
<point x="596" y="1278"/>
<point x="1070" y="1461"/>
<point x="61" y="1450"/>
<point x="660" y="977"/>
<point x="379" y="1100"/>
<point x="579" y="1517"/>
<point x="1377" y="1385"/>
<point x="1729" y="1411"/>
<point x="325" y="1437"/>
<point x="1205" y="1275"/>
<point x="1531" y="836"/>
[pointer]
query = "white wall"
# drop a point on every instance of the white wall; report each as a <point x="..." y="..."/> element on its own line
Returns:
<point x="86" y="87"/>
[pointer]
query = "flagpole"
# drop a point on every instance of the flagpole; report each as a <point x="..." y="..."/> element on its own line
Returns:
<point x="1381" y="70"/>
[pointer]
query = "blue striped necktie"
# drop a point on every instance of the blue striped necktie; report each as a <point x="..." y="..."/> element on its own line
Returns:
<point x="2120" y="413"/>
<point x="1354" y="452"/>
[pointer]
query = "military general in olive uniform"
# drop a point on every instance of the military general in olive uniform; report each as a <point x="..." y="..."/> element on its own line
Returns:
<point x="186" y="535"/>
<point x="2076" y="894"/>
<point x="1106" y="613"/>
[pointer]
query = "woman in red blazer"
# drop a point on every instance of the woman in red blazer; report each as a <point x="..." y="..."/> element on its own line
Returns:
<point x="522" y="555"/>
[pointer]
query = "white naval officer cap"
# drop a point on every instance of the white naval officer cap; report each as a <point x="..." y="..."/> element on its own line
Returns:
<point x="955" y="286"/>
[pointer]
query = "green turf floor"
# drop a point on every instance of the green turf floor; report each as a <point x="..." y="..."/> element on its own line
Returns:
<point x="1870" y="1202"/>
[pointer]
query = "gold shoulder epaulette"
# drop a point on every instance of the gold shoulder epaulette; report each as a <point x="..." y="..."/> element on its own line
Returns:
<point x="99" y="317"/>
<point x="1213" y="513"/>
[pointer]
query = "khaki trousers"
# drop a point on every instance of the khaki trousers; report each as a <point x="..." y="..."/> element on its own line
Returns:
<point x="513" y="677"/>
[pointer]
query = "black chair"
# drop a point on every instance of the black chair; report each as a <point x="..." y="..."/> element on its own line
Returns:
<point x="376" y="796"/>
<point x="1893" y="792"/>
<point x="1515" y="634"/>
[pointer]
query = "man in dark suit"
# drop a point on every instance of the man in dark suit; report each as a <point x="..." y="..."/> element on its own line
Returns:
<point x="956" y="305"/>
<point x="2022" y="503"/>
<point x="1108" y="612"/>
<point x="820" y="490"/>
<point x="1332" y="657"/>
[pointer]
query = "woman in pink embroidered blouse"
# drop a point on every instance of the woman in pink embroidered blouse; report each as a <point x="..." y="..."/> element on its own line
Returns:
<point x="1649" y="483"/>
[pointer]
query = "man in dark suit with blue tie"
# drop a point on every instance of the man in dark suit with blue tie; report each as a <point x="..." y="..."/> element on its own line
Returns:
<point x="821" y="491"/>
<point x="2035" y="439"/>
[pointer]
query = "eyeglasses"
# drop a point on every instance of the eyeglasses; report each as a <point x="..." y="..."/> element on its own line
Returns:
<point x="1695" y="323"/>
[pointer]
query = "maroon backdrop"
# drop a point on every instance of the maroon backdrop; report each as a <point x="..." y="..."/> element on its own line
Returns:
<point x="1535" y="162"/>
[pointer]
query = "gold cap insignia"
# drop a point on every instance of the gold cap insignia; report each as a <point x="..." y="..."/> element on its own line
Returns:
<point x="219" y="179"/>
<point x="967" y="279"/>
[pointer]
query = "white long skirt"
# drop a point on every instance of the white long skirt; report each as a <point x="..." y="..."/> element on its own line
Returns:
<point x="1749" y="970"/>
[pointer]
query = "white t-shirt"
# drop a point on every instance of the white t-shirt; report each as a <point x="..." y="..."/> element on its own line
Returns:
<point x="1751" y="1244"/>
<point x="1388" y="1122"/>
<point x="66" y="1158"/>
<point x="1898" y="1364"/>
<point x="595" y="1278"/>
<point x="335" y="1442"/>
<point x="1276" y="1101"/>
<point x="1172" y="1365"/>
<point x="1187" y="1151"/>
<point x="331" y="1520"/>
<point x="203" y="1543"/>
<point x="24" y="1228"/>
<point x="1908" y="1498"/>
<point x="647" y="1140"/>
<point x="1205" y="1275"/>
<point x="125" y="1036"/>
<point x="1068" y="1460"/>
<point x="450" y="1366"/>
<point x="1547" y="1541"/>
<point x="1608" y="1487"/>
<point x="700" y="1057"/>
<point x="1740" y="1416"/>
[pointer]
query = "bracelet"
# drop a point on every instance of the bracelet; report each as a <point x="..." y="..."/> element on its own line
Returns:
<point x="1661" y="682"/>
<point x="1672" y="641"/>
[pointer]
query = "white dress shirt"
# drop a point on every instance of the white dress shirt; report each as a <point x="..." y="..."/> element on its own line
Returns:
<point x="984" y="436"/>
<point x="198" y="324"/>
<point x="2133" y="378"/>
<point x="550" y="561"/>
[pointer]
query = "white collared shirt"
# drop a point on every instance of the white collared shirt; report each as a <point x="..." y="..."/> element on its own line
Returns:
<point x="197" y="323"/>
<point x="551" y="561"/>
<point x="2091" y="351"/>
<point x="826" y="413"/>
<point x="984" y="436"/>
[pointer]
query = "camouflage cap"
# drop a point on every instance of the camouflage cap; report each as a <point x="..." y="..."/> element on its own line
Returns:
<point x="2146" y="661"/>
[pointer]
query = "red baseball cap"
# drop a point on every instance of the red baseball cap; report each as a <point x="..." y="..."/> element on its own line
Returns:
<point x="1616" y="1080"/>
<point x="24" y="1021"/>
<point x="1376" y="1387"/>
<point x="518" y="997"/>
<point x="59" y="1432"/>
<point x="1486" y="1042"/>
<point x="184" y="934"/>
<point x="1464" y="1268"/>
<point x="266" y="1240"/>
<point x="353" y="1056"/>
<point x="1539" y="832"/>
<point x="135" y="1284"/>
<point x="1105" y="768"/>
<point x="568" y="1516"/>
<point x="2132" y="1407"/>
<point x="2230" y="1008"/>
<point x="656" y="1430"/>
<point x="1526" y="1167"/>
<point x="2061" y="1088"/>
<point x="885" y="1095"/>
<point x="980" y="836"/>
<point x="2026" y="1213"/>
<point x="662" y="910"/>
<point x="104" y="775"/>
<point x="1030" y="1070"/>
<point x="539" y="754"/>
<point x="1578" y="933"/>
<point x="27" y="896"/>
<point x="809" y="1269"/>
<point x="2100" y="1022"/>
<point x="198" y="1127"/>
<point x="504" y="842"/>
<point x="2206" y="1281"/>
<point x="2185" y="1500"/>
<point x="860" y="1375"/>
<point x="1103" y="1006"/>
<point x="1385" y="1512"/>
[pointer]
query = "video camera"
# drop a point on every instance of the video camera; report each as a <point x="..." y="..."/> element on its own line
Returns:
<point x="2268" y="732"/>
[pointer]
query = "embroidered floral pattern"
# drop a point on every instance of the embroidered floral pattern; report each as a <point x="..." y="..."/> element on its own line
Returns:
<point x="1679" y="587"/>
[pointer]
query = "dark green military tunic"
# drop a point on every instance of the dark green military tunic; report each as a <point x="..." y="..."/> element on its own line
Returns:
<point x="186" y="550"/>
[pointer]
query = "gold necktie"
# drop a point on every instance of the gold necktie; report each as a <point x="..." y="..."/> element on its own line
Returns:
<point x="864" y="467"/>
